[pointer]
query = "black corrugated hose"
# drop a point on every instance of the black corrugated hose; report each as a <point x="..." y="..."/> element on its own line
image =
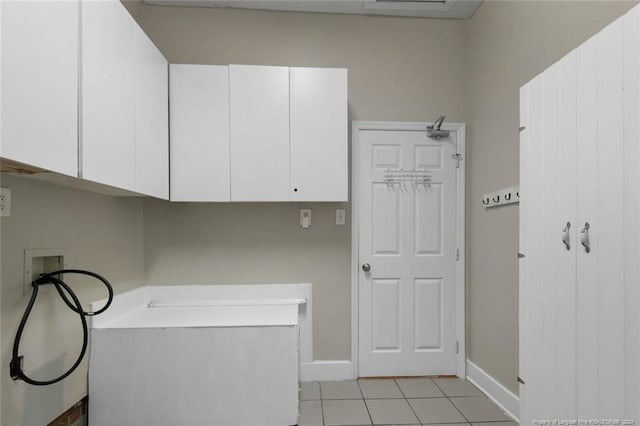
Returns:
<point x="73" y="304"/>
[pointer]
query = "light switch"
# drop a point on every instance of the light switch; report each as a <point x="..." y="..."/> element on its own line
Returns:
<point x="305" y="218"/>
<point x="341" y="216"/>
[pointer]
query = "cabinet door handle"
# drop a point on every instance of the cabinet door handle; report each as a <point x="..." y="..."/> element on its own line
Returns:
<point x="565" y="236"/>
<point x="584" y="240"/>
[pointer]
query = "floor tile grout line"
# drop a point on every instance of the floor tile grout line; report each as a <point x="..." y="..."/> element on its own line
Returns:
<point x="454" y="405"/>
<point x="404" y="397"/>
<point x="407" y="399"/>
<point x="366" y="406"/>
<point x="465" y="396"/>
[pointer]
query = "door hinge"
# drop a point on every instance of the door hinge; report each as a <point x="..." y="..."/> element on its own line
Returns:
<point x="457" y="347"/>
<point x="458" y="157"/>
<point x="457" y="254"/>
<point x="520" y="255"/>
<point x="521" y="129"/>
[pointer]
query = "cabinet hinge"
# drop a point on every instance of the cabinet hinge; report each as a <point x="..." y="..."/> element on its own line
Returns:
<point x="521" y="129"/>
<point x="457" y="254"/>
<point x="457" y="347"/>
<point x="520" y="255"/>
<point x="520" y="380"/>
<point x="458" y="157"/>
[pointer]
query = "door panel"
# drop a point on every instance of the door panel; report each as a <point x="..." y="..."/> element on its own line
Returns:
<point x="631" y="210"/>
<point x="152" y="118"/>
<point x="407" y="233"/>
<point x="40" y="84"/>
<point x="608" y="230"/>
<point x="428" y="314"/>
<point x="587" y="272"/>
<point x="385" y="211"/>
<point x="318" y="125"/>
<point x="525" y="354"/>
<point x="567" y="145"/>
<point x="428" y="235"/>
<point x="199" y="133"/>
<point x="108" y="95"/>
<point x="386" y="314"/>
<point x="259" y="100"/>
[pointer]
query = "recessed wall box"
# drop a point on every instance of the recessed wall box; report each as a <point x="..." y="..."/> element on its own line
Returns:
<point x="39" y="261"/>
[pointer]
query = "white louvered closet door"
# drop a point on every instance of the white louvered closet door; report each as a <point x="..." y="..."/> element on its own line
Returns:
<point x="579" y="283"/>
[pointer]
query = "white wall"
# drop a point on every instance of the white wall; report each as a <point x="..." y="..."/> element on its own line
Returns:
<point x="101" y="234"/>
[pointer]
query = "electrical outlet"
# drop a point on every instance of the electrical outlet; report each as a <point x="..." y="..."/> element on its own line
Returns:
<point x="341" y="216"/>
<point x="5" y="202"/>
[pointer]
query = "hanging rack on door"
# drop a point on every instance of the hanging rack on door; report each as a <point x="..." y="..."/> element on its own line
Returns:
<point x="400" y="177"/>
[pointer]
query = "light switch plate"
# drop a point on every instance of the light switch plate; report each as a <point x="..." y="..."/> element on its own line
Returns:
<point x="341" y="216"/>
<point x="305" y="218"/>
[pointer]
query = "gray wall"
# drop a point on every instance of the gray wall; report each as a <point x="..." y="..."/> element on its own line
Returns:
<point x="101" y="234"/>
<point x="399" y="69"/>
<point x="510" y="42"/>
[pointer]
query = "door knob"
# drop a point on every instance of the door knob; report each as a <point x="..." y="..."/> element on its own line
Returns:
<point x="366" y="267"/>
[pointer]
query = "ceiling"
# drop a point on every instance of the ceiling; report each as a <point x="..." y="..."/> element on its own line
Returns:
<point x="450" y="9"/>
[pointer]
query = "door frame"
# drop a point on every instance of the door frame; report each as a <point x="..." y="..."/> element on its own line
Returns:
<point x="460" y="130"/>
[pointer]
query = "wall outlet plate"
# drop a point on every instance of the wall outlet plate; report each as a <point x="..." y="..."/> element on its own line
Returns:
<point x="5" y="202"/>
<point x="341" y="216"/>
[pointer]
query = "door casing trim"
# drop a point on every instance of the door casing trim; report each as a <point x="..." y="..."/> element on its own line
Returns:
<point x="460" y="130"/>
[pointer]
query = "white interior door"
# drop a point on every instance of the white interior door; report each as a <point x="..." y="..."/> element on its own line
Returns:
<point x="407" y="235"/>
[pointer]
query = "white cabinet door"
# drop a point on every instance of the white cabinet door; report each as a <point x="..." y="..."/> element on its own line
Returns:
<point x="259" y="116"/>
<point x="40" y="84"/>
<point x="580" y="338"/>
<point x="606" y="232"/>
<point x="108" y="94"/>
<point x="319" y="157"/>
<point x="199" y="133"/>
<point x="152" y="118"/>
<point x="632" y="210"/>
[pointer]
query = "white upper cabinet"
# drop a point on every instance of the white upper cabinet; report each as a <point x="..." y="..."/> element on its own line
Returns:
<point x="108" y="95"/>
<point x="152" y="118"/>
<point x="318" y="134"/>
<point x="40" y="84"/>
<point x="259" y="112"/>
<point x="124" y="103"/>
<point x="199" y="133"/>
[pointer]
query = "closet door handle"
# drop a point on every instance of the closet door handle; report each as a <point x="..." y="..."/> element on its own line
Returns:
<point x="565" y="236"/>
<point x="584" y="240"/>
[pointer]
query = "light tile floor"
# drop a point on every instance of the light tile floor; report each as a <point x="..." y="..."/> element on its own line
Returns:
<point x="419" y="401"/>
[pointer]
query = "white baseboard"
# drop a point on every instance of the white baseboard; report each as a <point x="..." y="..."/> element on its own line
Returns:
<point x="494" y="390"/>
<point x="326" y="370"/>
